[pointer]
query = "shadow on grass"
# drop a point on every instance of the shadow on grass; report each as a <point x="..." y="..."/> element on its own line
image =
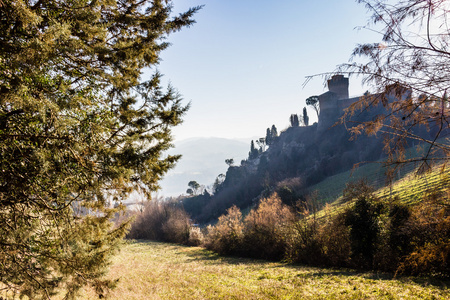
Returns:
<point x="201" y="254"/>
<point x="198" y="254"/>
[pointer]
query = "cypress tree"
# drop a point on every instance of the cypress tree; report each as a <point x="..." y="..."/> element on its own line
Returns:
<point x="294" y="120"/>
<point x="268" y="137"/>
<point x="253" y="151"/>
<point x="274" y="132"/>
<point x="305" y="117"/>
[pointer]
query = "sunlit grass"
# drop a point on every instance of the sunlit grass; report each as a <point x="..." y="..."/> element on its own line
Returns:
<point x="149" y="270"/>
<point x="409" y="189"/>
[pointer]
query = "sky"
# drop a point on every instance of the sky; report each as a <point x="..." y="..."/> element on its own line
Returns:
<point x="243" y="64"/>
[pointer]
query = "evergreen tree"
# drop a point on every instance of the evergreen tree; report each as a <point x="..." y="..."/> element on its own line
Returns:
<point x="268" y="137"/>
<point x="305" y="117"/>
<point x="294" y="120"/>
<point x="79" y="128"/>
<point x="253" y="151"/>
<point x="313" y="101"/>
<point x="229" y="161"/>
<point x="274" y="132"/>
<point x="194" y="186"/>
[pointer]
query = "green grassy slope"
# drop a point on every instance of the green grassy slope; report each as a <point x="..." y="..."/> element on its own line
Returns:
<point x="408" y="187"/>
<point x="331" y="188"/>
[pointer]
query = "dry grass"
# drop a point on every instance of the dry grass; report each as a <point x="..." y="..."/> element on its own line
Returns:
<point x="149" y="270"/>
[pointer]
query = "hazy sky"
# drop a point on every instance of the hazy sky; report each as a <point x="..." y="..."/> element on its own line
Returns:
<point x="242" y="65"/>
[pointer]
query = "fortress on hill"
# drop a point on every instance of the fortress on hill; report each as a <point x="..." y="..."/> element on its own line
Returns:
<point x="333" y="102"/>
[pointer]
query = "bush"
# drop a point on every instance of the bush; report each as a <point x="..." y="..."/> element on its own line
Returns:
<point x="161" y="221"/>
<point x="266" y="229"/>
<point x="363" y="221"/>
<point x="395" y="238"/>
<point x="429" y="228"/>
<point x="226" y="236"/>
<point x="302" y="244"/>
<point x="176" y="227"/>
<point x="334" y="237"/>
<point x="196" y="237"/>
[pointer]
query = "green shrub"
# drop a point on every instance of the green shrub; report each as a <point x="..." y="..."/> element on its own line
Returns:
<point x="363" y="221"/>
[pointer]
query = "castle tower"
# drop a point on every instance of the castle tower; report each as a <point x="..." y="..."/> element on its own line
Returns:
<point x="330" y="108"/>
<point x="338" y="84"/>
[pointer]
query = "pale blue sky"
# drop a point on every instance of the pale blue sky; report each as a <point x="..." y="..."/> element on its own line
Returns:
<point x="242" y="65"/>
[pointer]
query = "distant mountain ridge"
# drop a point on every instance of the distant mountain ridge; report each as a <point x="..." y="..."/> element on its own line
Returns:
<point x="203" y="159"/>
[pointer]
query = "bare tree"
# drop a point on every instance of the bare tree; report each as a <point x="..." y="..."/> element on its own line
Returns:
<point x="408" y="71"/>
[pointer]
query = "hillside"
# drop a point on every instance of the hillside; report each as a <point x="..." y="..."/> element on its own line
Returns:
<point x="304" y="155"/>
<point x="302" y="159"/>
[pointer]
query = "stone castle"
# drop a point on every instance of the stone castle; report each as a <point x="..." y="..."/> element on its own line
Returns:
<point x="333" y="102"/>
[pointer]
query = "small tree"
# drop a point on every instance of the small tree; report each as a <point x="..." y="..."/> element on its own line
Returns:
<point x="218" y="183"/>
<point x="313" y="101"/>
<point x="229" y="162"/>
<point x="294" y="120"/>
<point x="226" y="236"/>
<point x="363" y="222"/>
<point x="305" y="117"/>
<point x="268" y="137"/>
<point x="194" y="187"/>
<point x="266" y="228"/>
<point x="273" y="132"/>
<point x="262" y="144"/>
<point x="253" y="151"/>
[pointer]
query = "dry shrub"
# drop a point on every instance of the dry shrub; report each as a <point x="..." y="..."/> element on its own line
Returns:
<point x="147" y="224"/>
<point x="226" y="236"/>
<point x="161" y="221"/>
<point x="334" y="237"/>
<point x="302" y="243"/>
<point x="429" y="227"/>
<point x="267" y="229"/>
<point x="177" y="226"/>
<point x="196" y="237"/>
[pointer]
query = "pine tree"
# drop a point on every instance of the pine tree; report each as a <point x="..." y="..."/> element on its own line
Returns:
<point x="79" y="128"/>
<point x="313" y="101"/>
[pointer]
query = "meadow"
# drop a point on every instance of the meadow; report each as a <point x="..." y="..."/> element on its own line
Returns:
<point x="151" y="270"/>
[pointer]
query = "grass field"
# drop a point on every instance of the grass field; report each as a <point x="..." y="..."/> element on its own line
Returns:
<point x="149" y="270"/>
